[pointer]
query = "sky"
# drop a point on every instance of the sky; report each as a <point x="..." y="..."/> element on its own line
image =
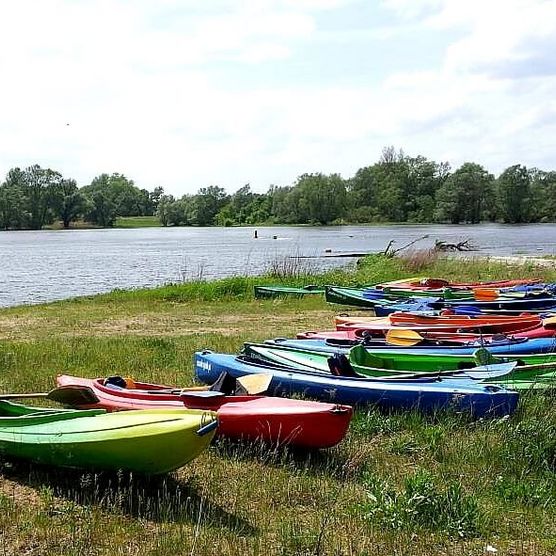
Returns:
<point x="185" y="94"/>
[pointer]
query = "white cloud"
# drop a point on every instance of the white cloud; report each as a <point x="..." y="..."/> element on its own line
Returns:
<point x="139" y="84"/>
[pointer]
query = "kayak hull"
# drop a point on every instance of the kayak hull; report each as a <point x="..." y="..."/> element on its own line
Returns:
<point x="150" y="442"/>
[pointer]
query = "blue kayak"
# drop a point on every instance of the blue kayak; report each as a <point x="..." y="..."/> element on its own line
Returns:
<point x="425" y="394"/>
<point x="517" y="346"/>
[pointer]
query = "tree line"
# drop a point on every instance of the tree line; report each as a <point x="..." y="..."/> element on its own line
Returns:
<point x="35" y="197"/>
<point x="397" y="188"/>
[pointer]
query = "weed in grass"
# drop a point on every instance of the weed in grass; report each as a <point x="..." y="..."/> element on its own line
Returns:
<point x="530" y="446"/>
<point x="403" y="445"/>
<point x="528" y="491"/>
<point x="423" y="504"/>
<point x="418" y="260"/>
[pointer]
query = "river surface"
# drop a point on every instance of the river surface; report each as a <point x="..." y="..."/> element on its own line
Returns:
<point x="48" y="265"/>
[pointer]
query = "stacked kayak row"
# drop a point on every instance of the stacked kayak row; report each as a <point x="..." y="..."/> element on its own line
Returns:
<point x="385" y="300"/>
<point x="464" y="360"/>
<point x="410" y="287"/>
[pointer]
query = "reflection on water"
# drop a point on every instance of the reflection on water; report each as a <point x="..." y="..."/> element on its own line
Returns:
<point x="47" y="265"/>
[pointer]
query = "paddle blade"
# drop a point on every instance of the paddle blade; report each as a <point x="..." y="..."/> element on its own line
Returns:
<point x="73" y="395"/>
<point x="549" y="323"/>
<point x="490" y="371"/>
<point x="485" y="294"/>
<point x="403" y="337"/>
<point x="255" y="383"/>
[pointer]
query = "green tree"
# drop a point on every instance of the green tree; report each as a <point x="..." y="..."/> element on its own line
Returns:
<point x="68" y="202"/>
<point x="205" y="205"/>
<point x="164" y="209"/>
<point x="465" y="196"/>
<point x="39" y="190"/>
<point x="322" y="198"/>
<point x="513" y="191"/>
<point x="102" y="210"/>
<point x="543" y="196"/>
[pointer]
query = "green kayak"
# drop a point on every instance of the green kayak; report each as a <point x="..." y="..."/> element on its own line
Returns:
<point x="538" y="371"/>
<point x="265" y="292"/>
<point x="145" y="441"/>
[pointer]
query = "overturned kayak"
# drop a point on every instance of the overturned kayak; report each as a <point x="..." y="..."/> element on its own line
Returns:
<point x="426" y="394"/>
<point x="152" y="442"/>
<point x="265" y="292"/>
<point x="278" y="421"/>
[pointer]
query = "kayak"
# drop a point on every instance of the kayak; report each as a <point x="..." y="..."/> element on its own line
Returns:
<point x="503" y="346"/>
<point x="492" y="324"/>
<point x="265" y="292"/>
<point x="426" y="394"/>
<point x="151" y="442"/>
<point x="415" y="361"/>
<point x="363" y="363"/>
<point x="278" y="421"/>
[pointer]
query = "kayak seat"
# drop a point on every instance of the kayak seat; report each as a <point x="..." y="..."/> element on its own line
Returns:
<point x="339" y="365"/>
<point x="115" y="381"/>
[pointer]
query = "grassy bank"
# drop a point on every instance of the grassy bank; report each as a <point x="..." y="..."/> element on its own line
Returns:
<point x="137" y="222"/>
<point x="400" y="484"/>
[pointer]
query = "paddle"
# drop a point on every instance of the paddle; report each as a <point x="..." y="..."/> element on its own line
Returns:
<point x="403" y="337"/>
<point x="66" y="395"/>
<point x="549" y="322"/>
<point x="486" y="294"/>
<point x="255" y="383"/>
<point x="490" y="371"/>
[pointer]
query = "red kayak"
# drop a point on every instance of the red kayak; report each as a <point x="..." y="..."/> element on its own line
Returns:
<point x="279" y="421"/>
<point x="493" y="324"/>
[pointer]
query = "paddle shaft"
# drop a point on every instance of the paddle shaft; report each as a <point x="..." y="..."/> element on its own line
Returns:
<point x="20" y="396"/>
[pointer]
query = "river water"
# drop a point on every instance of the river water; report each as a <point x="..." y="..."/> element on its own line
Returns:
<point x="50" y="265"/>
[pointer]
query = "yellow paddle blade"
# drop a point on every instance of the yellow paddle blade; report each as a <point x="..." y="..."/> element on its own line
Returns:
<point x="549" y="322"/>
<point x="401" y="281"/>
<point x="403" y="337"/>
<point x="255" y="383"/>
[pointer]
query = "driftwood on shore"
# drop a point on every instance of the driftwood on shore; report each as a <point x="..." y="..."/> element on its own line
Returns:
<point x="461" y="246"/>
<point x="389" y="252"/>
